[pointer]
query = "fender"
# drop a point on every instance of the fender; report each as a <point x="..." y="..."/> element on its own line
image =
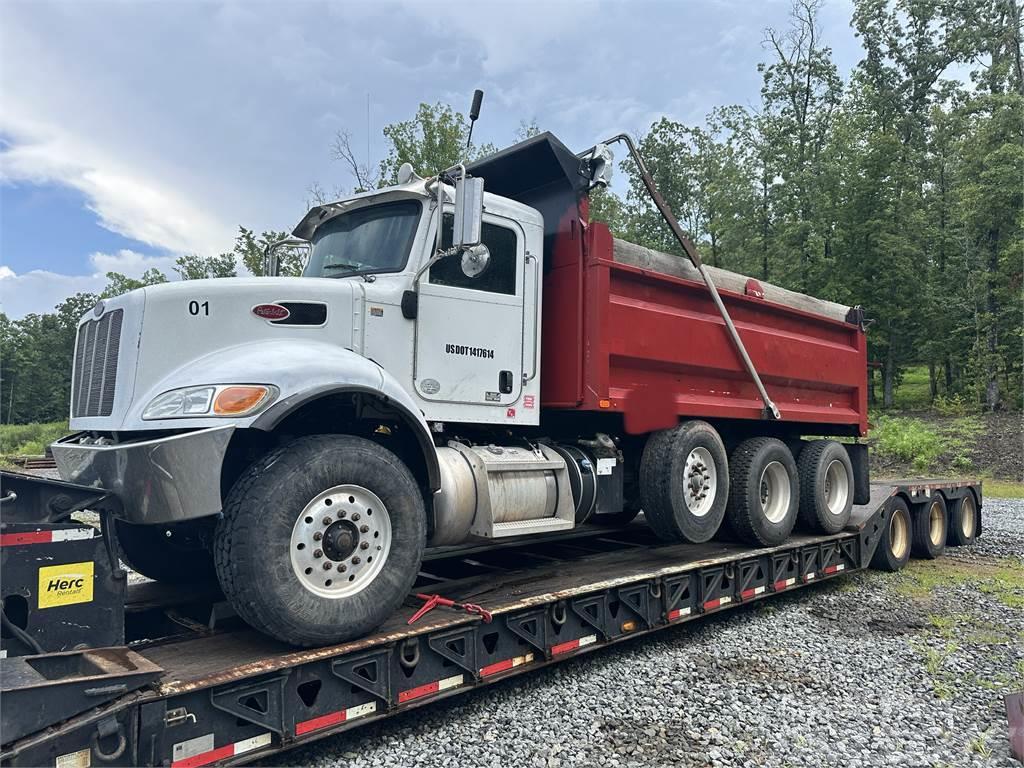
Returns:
<point x="303" y="370"/>
<point x="410" y="415"/>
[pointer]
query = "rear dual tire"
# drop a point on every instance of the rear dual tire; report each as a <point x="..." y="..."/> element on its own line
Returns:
<point x="826" y="486"/>
<point x="894" y="545"/>
<point x="765" y="491"/>
<point x="684" y="482"/>
<point x="963" y="520"/>
<point x="930" y="522"/>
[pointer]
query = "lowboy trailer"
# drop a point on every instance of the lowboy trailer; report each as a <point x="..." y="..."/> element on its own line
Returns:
<point x="191" y="685"/>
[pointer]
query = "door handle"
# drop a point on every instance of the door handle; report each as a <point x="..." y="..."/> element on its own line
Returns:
<point x="505" y="382"/>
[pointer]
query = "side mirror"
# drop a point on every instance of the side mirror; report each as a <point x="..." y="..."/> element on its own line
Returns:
<point x="272" y="254"/>
<point x="475" y="260"/>
<point x="469" y="211"/>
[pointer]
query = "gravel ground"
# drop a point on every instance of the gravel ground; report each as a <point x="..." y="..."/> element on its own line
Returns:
<point x="873" y="669"/>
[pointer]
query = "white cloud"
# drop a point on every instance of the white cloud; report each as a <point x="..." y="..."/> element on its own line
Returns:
<point x="40" y="290"/>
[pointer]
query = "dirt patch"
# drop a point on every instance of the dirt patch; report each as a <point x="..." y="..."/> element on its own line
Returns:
<point x="990" y="444"/>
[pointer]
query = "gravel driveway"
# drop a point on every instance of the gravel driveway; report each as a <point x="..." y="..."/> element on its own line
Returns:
<point x="873" y="669"/>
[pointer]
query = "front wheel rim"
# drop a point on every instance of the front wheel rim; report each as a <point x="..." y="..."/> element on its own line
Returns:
<point x="340" y="541"/>
<point x="837" y="487"/>
<point x="774" y="492"/>
<point x="700" y="481"/>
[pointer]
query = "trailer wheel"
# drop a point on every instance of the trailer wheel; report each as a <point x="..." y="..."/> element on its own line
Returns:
<point x="765" y="491"/>
<point x="321" y="539"/>
<point x="963" y="521"/>
<point x="930" y="519"/>
<point x="684" y="482"/>
<point x="172" y="554"/>
<point x="893" y="550"/>
<point x="826" y="486"/>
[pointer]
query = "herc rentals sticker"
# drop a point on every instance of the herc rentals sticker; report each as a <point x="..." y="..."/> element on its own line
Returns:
<point x="65" y="584"/>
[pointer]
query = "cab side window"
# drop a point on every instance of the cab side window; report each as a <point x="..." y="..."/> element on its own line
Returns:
<point x="500" y="276"/>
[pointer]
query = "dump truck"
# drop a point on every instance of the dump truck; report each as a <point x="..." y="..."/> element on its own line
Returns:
<point x="467" y="359"/>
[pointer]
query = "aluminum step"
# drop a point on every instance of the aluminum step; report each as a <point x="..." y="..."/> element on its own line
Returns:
<point x="522" y="527"/>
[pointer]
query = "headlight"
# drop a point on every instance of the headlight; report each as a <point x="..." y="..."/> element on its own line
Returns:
<point x="210" y="400"/>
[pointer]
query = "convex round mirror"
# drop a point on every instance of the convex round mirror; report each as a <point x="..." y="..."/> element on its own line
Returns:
<point x="475" y="260"/>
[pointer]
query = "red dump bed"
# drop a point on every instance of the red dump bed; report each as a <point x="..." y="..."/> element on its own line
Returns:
<point x="652" y="346"/>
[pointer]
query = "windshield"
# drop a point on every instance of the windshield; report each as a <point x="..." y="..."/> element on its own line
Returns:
<point x="373" y="239"/>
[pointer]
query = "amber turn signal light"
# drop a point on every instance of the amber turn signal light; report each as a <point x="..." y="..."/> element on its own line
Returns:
<point x="232" y="401"/>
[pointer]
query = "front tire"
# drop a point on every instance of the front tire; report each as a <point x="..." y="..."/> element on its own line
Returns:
<point x="321" y="540"/>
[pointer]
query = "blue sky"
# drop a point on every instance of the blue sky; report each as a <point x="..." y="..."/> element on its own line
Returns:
<point x="134" y="132"/>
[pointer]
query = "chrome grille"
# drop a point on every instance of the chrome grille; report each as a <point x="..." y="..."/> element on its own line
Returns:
<point x="99" y="342"/>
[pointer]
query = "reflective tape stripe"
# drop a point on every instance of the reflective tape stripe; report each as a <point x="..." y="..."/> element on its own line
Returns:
<point x="222" y="753"/>
<point x="429" y="688"/>
<point x="45" y="537"/>
<point x="835" y="568"/>
<point x="507" y="664"/>
<point x="675" y="613"/>
<point x="784" y="583"/>
<point x="746" y="594"/>
<point x="710" y="605"/>
<point x="335" y="718"/>
<point x="572" y="645"/>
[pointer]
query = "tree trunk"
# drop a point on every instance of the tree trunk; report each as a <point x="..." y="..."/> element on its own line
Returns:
<point x="992" y="399"/>
<point x="888" y="376"/>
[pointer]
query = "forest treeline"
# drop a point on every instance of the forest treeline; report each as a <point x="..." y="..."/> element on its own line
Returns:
<point x="899" y="187"/>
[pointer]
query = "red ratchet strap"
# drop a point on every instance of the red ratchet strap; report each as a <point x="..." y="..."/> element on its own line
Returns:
<point x="432" y="601"/>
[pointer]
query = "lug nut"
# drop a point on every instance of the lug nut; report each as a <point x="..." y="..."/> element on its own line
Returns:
<point x="327" y="566"/>
<point x="327" y="521"/>
<point x="342" y="514"/>
<point x="318" y="553"/>
<point x="317" y="536"/>
<point x="356" y="560"/>
<point x="364" y="545"/>
<point x="364" y="528"/>
<point x="342" y="567"/>
<point x="355" y="516"/>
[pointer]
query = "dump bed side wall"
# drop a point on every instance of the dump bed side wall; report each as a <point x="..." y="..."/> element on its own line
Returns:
<point x="655" y="348"/>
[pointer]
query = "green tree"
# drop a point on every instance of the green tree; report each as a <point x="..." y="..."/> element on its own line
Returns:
<point x="434" y="140"/>
<point x="192" y="266"/>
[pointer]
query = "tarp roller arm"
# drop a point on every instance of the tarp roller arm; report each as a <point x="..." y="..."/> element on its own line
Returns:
<point x="770" y="409"/>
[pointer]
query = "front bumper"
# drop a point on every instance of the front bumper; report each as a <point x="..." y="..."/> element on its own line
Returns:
<point x="165" y="480"/>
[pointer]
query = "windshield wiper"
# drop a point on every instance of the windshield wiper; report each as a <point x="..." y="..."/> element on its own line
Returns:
<point x="341" y="265"/>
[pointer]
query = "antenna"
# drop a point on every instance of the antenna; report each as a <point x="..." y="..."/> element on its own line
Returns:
<point x="474" y="113"/>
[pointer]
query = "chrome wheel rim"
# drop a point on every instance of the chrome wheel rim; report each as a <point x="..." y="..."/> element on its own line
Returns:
<point x="700" y="481"/>
<point x="340" y="541"/>
<point x="967" y="517"/>
<point x="936" y="523"/>
<point x="775" y="492"/>
<point x="899" y="535"/>
<point x="837" y="487"/>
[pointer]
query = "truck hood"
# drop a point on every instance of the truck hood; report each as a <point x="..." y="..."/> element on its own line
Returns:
<point x="174" y="332"/>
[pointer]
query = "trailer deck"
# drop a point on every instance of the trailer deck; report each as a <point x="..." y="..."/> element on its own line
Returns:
<point x="221" y="693"/>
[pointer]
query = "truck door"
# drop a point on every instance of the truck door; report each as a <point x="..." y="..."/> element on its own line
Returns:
<point x="469" y="332"/>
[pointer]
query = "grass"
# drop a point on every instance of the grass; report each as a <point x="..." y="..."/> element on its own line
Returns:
<point x="1002" y="489"/>
<point x="29" y="439"/>
<point x="908" y="440"/>
<point x="1002" y="578"/>
<point x="914" y="390"/>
